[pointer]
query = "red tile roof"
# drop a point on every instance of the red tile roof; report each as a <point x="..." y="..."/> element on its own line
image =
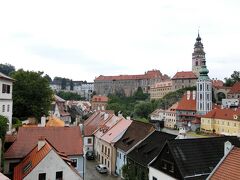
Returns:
<point x="9" y="138"/>
<point x="64" y="139"/>
<point x="99" y="98"/>
<point x="228" y="114"/>
<point x="185" y="75"/>
<point x="116" y="132"/>
<point x="229" y="168"/>
<point x="217" y="83"/>
<point x="235" y="89"/>
<point x="95" y="121"/>
<point x="34" y="158"/>
<point x="149" y="75"/>
<point x="106" y="126"/>
<point x="187" y="104"/>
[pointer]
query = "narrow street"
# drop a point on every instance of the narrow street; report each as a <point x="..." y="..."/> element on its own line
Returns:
<point x="92" y="174"/>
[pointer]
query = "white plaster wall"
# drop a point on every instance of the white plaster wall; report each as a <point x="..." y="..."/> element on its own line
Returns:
<point x="120" y="162"/>
<point x="158" y="174"/>
<point x="80" y="164"/>
<point x="88" y="146"/>
<point x="7" y="113"/>
<point x="50" y="165"/>
<point x="5" y="95"/>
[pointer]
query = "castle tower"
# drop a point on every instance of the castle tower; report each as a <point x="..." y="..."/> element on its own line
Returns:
<point x="204" y="91"/>
<point x="198" y="56"/>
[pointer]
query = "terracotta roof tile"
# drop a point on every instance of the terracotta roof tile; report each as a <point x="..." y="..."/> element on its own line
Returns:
<point x="149" y="75"/>
<point x="229" y="168"/>
<point x="95" y="121"/>
<point x="217" y="83"/>
<point x="185" y="75"/>
<point x="64" y="139"/>
<point x="235" y="89"/>
<point x="99" y="98"/>
<point x="187" y="104"/>
<point x="9" y="138"/>
<point x="228" y="114"/>
<point x="106" y="125"/>
<point x="33" y="158"/>
<point x="116" y="132"/>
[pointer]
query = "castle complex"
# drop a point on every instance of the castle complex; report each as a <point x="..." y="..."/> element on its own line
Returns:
<point x="127" y="84"/>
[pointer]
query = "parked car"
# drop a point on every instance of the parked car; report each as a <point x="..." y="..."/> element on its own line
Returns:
<point x="90" y="155"/>
<point x="101" y="168"/>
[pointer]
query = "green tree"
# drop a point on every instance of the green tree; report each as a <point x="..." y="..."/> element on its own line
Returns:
<point x="64" y="83"/>
<point x="235" y="77"/>
<point x="139" y="95"/>
<point x="143" y="109"/>
<point x="7" y="69"/>
<point x="32" y="95"/>
<point x="69" y="95"/>
<point x="48" y="78"/>
<point x="3" y="126"/>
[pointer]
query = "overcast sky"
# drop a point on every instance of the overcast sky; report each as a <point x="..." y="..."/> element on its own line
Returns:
<point x="81" y="40"/>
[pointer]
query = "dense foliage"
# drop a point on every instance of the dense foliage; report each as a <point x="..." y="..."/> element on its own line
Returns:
<point x="235" y="77"/>
<point x="32" y="95"/>
<point x="69" y="95"/>
<point x="139" y="106"/>
<point x="7" y="69"/>
<point x="3" y="126"/>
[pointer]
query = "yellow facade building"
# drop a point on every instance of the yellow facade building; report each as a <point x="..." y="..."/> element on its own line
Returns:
<point x="222" y="122"/>
<point x="160" y="89"/>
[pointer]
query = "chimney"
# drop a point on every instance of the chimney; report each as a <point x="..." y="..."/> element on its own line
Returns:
<point x="227" y="147"/>
<point x="120" y="114"/>
<point x="41" y="142"/>
<point x="188" y="95"/>
<point x="194" y="95"/>
<point x="43" y="121"/>
<point x="128" y="118"/>
<point x="81" y="126"/>
<point x="106" y="115"/>
<point x="182" y="133"/>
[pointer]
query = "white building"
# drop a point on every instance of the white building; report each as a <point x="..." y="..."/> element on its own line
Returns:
<point x="45" y="162"/>
<point x="155" y="174"/>
<point x="6" y="102"/>
<point x="204" y="92"/>
<point x="228" y="103"/>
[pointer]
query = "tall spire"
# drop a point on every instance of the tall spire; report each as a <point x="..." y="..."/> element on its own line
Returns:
<point x="198" y="38"/>
<point x="198" y="56"/>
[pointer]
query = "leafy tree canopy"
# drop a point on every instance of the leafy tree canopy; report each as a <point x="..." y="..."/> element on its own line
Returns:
<point x="3" y="126"/>
<point x="69" y="95"/>
<point x="7" y="69"/>
<point x="48" y="78"/>
<point x="235" y="77"/>
<point x="32" y="95"/>
<point x="139" y="106"/>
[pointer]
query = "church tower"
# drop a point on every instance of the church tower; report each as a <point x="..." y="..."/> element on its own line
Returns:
<point x="204" y="91"/>
<point x="198" y="56"/>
